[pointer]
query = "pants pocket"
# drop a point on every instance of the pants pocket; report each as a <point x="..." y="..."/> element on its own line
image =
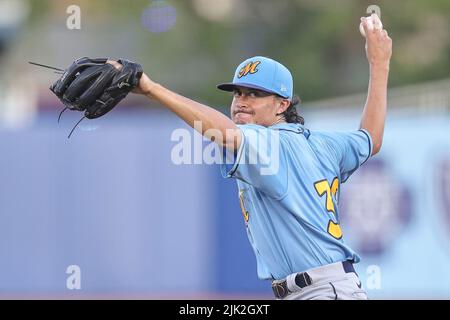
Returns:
<point x="349" y="289"/>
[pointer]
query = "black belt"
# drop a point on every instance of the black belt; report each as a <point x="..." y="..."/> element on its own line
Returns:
<point x="302" y="279"/>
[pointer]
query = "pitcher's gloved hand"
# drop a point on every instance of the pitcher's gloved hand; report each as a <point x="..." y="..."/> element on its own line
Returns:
<point x="96" y="86"/>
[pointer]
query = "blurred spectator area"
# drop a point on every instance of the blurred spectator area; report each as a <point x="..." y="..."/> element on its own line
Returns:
<point x="431" y="97"/>
<point x="203" y="41"/>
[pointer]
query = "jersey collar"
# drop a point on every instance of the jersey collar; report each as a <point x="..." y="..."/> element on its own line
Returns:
<point x="293" y="127"/>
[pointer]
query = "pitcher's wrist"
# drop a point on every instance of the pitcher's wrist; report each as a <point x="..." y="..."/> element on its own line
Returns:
<point x="379" y="66"/>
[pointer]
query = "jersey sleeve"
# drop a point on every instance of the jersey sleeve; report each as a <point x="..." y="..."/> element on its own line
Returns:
<point x="259" y="161"/>
<point x="350" y="149"/>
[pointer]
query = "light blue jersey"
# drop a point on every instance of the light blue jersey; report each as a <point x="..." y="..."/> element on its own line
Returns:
<point x="289" y="181"/>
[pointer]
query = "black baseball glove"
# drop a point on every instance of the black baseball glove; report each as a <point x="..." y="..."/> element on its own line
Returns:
<point x="94" y="86"/>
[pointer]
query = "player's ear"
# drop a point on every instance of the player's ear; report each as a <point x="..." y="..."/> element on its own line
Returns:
<point x="283" y="105"/>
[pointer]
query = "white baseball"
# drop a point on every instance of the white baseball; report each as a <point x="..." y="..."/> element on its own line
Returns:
<point x="372" y="22"/>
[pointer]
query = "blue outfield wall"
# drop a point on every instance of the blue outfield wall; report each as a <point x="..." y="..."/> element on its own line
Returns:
<point x="108" y="200"/>
<point x="111" y="201"/>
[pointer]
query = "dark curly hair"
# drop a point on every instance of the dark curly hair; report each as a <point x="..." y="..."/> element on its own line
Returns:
<point x="291" y="114"/>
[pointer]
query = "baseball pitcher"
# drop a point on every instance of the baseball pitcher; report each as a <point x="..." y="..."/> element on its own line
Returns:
<point x="290" y="208"/>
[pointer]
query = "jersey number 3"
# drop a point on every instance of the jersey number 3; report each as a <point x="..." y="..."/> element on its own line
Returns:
<point x="323" y="188"/>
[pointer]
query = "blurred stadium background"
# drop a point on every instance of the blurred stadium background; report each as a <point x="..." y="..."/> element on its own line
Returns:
<point x="111" y="201"/>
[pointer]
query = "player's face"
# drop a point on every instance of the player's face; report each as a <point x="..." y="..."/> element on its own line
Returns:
<point x="251" y="106"/>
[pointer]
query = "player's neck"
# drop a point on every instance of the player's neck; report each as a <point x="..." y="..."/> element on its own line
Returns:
<point x="278" y="121"/>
